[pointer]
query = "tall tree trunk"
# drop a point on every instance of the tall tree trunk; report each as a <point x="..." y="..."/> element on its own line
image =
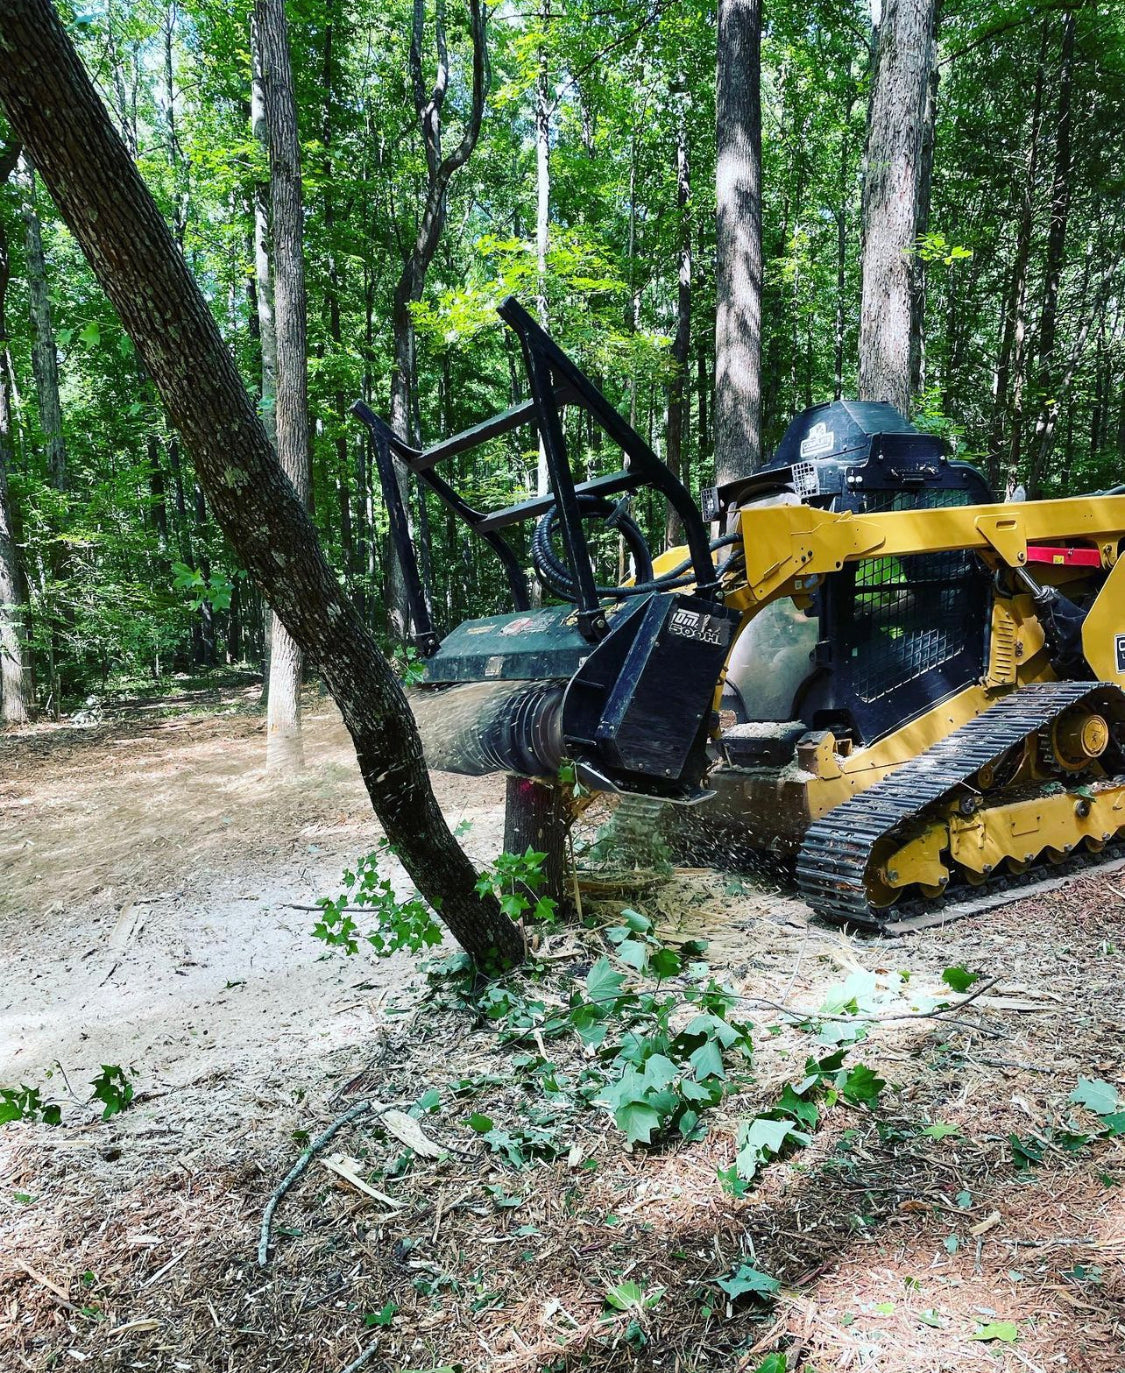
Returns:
<point x="895" y="135"/>
<point x="542" y="202"/>
<point x="263" y="276"/>
<point x="922" y="223"/>
<point x="342" y="475"/>
<point x="15" y="681"/>
<point x="738" y="285"/>
<point x="44" y="354"/>
<point x="283" y="731"/>
<point x="441" y="168"/>
<point x="55" y="110"/>
<point x="1007" y="405"/>
<point x="1048" y="369"/>
<point x="679" y="390"/>
<point x="263" y="299"/>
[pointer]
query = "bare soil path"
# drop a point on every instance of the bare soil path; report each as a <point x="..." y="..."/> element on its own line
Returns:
<point x="151" y="885"/>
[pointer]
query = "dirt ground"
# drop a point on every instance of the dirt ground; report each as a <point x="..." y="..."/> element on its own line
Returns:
<point x="155" y="895"/>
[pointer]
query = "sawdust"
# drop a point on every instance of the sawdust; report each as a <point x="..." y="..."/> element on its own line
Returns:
<point x="150" y="875"/>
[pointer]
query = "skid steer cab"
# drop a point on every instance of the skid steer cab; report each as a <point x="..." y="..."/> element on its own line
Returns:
<point x="857" y="657"/>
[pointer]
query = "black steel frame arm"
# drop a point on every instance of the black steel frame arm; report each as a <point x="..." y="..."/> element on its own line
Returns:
<point x="554" y="381"/>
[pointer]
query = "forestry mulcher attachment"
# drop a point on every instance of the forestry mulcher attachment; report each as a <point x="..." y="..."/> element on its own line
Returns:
<point x="866" y="665"/>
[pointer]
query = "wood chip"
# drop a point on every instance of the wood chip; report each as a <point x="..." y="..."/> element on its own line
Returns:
<point x="348" y="1169"/>
<point x="982" y="1227"/>
<point x="407" y="1129"/>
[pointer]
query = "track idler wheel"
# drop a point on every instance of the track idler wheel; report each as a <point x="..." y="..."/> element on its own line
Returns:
<point x="1078" y="738"/>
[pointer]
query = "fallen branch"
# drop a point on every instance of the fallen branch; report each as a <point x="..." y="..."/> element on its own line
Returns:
<point x="361" y="1108"/>
<point x="368" y="1353"/>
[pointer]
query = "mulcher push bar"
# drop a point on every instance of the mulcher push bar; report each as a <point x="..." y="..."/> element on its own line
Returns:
<point x="554" y="381"/>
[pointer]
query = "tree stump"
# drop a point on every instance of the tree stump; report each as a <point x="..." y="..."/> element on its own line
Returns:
<point x="536" y="816"/>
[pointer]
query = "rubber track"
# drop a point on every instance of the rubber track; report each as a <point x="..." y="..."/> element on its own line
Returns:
<point x="836" y="853"/>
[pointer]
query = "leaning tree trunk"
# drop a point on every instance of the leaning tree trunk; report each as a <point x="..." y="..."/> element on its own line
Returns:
<point x="55" y="110"/>
<point x="738" y="274"/>
<point x="14" y="678"/>
<point x="895" y="133"/>
<point x="283" y="729"/>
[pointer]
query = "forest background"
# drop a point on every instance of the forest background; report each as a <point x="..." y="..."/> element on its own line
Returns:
<point x="570" y="149"/>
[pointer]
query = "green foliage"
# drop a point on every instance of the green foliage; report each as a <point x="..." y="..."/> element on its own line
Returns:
<point x="212" y="590"/>
<point x="745" y="1281"/>
<point x="771" y="1133"/>
<point x="26" y="1103"/>
<point x="959" y="978"/>
<point x="401" y="923"/>
<point x="515" y="879"/>
<point x="113" y="1089"/>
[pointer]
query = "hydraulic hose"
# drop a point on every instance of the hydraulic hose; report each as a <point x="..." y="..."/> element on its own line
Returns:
<point x="557" y="577"/>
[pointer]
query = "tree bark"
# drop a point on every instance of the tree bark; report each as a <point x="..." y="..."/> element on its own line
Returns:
<point x="284" y="752"/>
<point x="895" y="130"/>
<point x="55" y="110"/>
<point x="14" y="677"/>
<point x="44" y="356"/>
<point x="536" y="817"/>
<point x="263" y="277"/>
<point x="738" y="285"/>
<point x="1008" y="397"/>
<point x="922" y="222"/>
<point x="1048" y="370"/>
<point x="679" y="389"/>
<point x="440" y="171"/>
<point x="542" y="204"/>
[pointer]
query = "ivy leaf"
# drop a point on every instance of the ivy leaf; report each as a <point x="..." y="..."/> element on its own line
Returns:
<point x="603" y="985"/>
<point x="799" y="1108"/>
<point x="625" y="1295"/>
<point x="113" y="1089"/>
<point x="959" y="978"/>
<point x="707" y="1060"/>
<point x="745" y="1279"/>
<point x="634" y="953"/>
<point x="638" y="923"/>
<point x="759" y="1140"/>
<point x="1096" y="1095"/>
<point x="637" y="1120"/>
<point x="1005" y="1331"/>
<point x="861" y="1085"/>
<point x="664" y="963"/>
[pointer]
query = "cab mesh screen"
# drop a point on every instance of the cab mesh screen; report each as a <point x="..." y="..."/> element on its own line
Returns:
<point x="909" y="614"/>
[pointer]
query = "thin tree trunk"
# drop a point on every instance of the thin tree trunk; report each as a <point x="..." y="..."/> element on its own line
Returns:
<point x="44" y="354"/>
<point x="15" y="678"/>
<point x="441" y="169"/>
<point x="54" y="109"/>
<point x="542" y="203"/>
<point x="679" y="390"/>
<point x="1048" y="372"/>
<point x="738" y="286"/>
<point x="895" y="135"/>
<point x="922" y="223"/>
<point x="1007" y="403"/>
<point x="263" y="277"/>
<point x="284" y="752"/>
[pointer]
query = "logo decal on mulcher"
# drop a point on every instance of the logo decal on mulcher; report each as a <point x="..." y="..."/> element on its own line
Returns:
<point x="820" y="439"/>
<point x="705" y="629"/>
<point x="1121" y="653"/>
